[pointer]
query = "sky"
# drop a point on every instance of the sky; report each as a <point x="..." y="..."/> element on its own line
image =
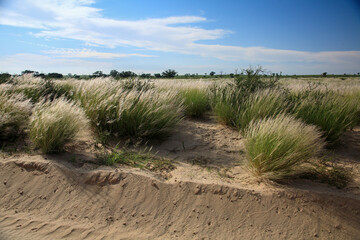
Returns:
<point x="190" y="36"/>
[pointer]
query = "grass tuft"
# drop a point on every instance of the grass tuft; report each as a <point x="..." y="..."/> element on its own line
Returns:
<point x="259" y="105"/>
<point x="196" y="102"/>
<point x="276" y="146"/>
<point x="130" y="113"/>
<point x="237" y="102"/>
<point x="143" y="160"/>
<point x="14" y="115"/>
<point x="53" y="124"/>
<point x="332" y="112"/>
<point x="326" y="171"/>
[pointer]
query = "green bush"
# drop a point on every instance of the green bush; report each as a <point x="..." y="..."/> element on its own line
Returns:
<point x="196" y="102"/>
<point x="332" y="112"/>
<point x="254" y="79"/>
<point x="14" y="115"/>
<point x="53" y="124"/>
<point x="4" y="77"/>
<point x="276" y="146"/>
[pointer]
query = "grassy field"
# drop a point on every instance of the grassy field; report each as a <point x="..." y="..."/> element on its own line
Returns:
<point x="286" y="122"/>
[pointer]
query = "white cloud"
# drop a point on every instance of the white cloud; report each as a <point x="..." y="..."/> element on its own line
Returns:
<point x="19" y="62"/>
<point x="87" y="53"/>
<point x="77" y="19"/>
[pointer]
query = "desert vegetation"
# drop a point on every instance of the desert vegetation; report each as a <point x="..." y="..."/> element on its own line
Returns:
<point x="196" y="102"/>
<point x="283" y="125"/>
<point x="275" y="146"/>
<point x="14" y="114"/>
<point x="131" y="111"/>
<point x="331" y="111"/>
<point x="55" y="123"/>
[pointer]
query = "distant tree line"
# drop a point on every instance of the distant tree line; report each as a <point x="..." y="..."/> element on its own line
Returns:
<point x="169" y="73"/>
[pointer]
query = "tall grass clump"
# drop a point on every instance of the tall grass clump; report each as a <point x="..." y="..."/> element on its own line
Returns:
<point x="196" y="102"/>
<point x="148" y="114"/>
<point x="53" y="124"/>
<point x="228" y="101"/>
<point x="36" y="88"/>
<point x="14" y="115"/>
<point x="130" y="113"/>
<point x="354" y="96"/>
<point x="259" y="105"/>
<point x="332" y="112"/>
<point x="276" y="146"/>
<point x="136" y="84"/>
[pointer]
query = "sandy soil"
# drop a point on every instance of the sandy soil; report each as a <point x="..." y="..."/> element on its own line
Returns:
<point x="208" y="196"/>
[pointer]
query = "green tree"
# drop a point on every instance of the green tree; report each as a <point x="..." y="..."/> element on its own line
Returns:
<point x="114" y="73"/>
<point x="54" y="75"/>
<point x="98" y="74"/>
<point x="170" y="73"/>
<point x="127" y="74"/>
<point x="4" y="77"/>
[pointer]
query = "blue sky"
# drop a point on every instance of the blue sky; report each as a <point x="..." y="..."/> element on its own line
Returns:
<point x="83" y="36"/>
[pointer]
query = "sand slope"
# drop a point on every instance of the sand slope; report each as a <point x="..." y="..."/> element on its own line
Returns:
<point x="42" y="199"/>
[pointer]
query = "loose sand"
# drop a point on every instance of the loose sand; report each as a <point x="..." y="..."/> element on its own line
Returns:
<point x="208" y="196"/>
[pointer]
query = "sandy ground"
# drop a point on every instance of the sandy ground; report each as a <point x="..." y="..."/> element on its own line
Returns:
<point x="208" y="196"/>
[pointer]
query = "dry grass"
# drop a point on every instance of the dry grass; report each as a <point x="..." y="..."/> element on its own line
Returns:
<point x="53" y="124"/>
<point x="276" y="146"/>
<point x="14" y="114"/>
<point x="130" y="113"/>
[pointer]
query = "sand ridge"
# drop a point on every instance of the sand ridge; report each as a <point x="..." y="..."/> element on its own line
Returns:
<point x="50" y="200"/>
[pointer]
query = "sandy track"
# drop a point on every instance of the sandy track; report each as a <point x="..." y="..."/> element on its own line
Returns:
<point x="43" y="199"/>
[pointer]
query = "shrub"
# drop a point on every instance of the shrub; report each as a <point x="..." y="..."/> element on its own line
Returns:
<point x="253" y="79"/>
<point x="196" y="102"/>
<point x="53" y="124"/>
<point x="276" y="146"/>
<point x="332" y="112"/>
<point x="14" y="115"/>
<point x="4" y="77"/>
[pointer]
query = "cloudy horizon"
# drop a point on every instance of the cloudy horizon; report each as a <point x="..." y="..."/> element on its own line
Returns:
<point x="83" y="36"/>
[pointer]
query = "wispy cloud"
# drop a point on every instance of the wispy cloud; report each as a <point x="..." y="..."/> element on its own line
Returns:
<point x="88" y="53"/>
<point x="79" y="20"/>
<point x="19" y="62"/>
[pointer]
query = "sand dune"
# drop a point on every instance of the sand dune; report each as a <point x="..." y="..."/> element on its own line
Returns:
<point x="44" y="199"/>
